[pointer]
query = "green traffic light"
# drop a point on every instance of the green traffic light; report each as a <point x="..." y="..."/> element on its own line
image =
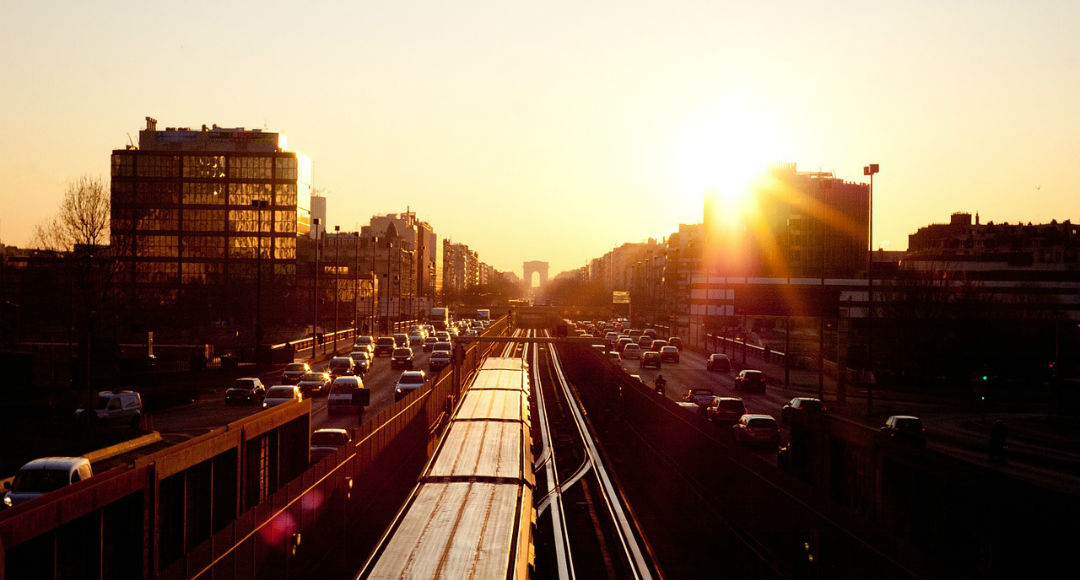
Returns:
<point x="985" y="377"/>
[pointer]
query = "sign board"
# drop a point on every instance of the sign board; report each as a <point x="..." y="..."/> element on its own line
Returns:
<point x="620" y="297"/>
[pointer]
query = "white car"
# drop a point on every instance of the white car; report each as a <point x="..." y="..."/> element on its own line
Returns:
<point x="341" y="397"/>
<point x="41" y="476"/>
<point x="631" y="352"/>
<point x="279" y="394"/>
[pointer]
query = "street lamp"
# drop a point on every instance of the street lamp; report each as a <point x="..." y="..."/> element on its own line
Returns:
<point x="356" y="288"/>
<point x="870" y="170"/>
<point x="315" y="292"/>
<point x="258" y="205"/>
<point x="372" y="243"/>
<point x="337" y="277"/>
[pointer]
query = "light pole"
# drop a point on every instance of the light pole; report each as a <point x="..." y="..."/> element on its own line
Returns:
<point x="259" y="205"/>
<point x="337" y="277"/>
<point x="372" y="243"/>
<point x="386" y="325"/>
<point x="870" y="170"/>
<point x="315" y="293"/>
<point x="356" y="288"/>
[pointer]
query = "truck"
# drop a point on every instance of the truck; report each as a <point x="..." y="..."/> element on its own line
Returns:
<point x="483" y="314"/>
<point x="439" y="317"/>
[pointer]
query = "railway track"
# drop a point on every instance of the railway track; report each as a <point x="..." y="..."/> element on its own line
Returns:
<point x="585" y="528"/>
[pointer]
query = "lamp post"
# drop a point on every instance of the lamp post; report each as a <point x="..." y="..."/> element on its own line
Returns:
<point x="337" y="278"/>
<point x="315" y="293"/>
<point x="259" y="205"/>
<point x="356" y="288"/>
<point x="386" y="325"/>
<point x="870" y="170"/>
<point x="372" y="243"/>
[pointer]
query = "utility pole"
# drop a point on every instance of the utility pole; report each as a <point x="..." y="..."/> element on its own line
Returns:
<point x="258" y="205"/>
<point x="315" y="293"/>
<point x="356" y="288"/>
<point x="337" y="278"/>
<point x="870" y="170"/>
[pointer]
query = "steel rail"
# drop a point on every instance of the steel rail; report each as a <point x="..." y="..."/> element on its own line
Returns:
<point x="624" y="528"/>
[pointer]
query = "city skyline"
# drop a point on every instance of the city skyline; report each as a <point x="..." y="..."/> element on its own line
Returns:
<point x="572" y="130"/>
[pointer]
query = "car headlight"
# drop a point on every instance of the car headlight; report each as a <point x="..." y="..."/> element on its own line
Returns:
<point x="397" y="390"/>
<point x="265" y="405"/>
<point x="7" y="500"/>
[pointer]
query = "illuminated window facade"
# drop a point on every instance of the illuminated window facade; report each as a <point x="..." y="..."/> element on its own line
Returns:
<point x="182" y="209"/>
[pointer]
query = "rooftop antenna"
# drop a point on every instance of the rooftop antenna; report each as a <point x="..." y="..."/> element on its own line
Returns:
<point x="130" y="142"/>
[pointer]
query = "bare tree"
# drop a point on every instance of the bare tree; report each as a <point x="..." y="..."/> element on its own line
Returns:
<point x="83" y="217"/>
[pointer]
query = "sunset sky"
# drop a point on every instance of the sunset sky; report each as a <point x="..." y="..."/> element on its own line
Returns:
<point x="557" y="130"/>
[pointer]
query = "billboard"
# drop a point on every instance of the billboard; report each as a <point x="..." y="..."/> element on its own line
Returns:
<point x="620" y="297"/>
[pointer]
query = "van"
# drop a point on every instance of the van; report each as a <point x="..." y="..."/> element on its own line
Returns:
<point x="347" y="395"/>
<point x="116" y="408"/>
<point x="41" y="476"/>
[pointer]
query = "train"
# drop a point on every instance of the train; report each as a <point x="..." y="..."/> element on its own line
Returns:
<point x="471" y="513"/>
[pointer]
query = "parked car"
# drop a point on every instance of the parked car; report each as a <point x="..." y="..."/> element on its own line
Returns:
<point x="116" y="408"/>
<point x="327" y="441"/>
<point x="675" y="341"/>
<point x="718" y="362"/>
<point x="347" y="394"/>
<point x="905" y="428"/>
<point x="750" y="380"/>
<point x="247" y="389"/>
<point x="384" y="346"/>
<point x="402" y="357"/>
<point x="669" y="354"/>
<point x="312" y="383"/>
<point x="341" y="366"/>
<point x="279" y="394"/>
<point x="429" y="343"/>
<point x="701" y="397"/>
<point x="757" y="429"/>
<point x="293" y="372"/>
<point x="631" y="351"/>
<point x="40" y="476"/>
<point x="650" y="358"/>
<point x="725" y="410"/>
<point x="408" y="382"/>
<point x="801" y="405"/>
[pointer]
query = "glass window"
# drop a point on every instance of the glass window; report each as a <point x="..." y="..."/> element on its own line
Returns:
<point x="285" y="269"/>
<point x="200" y="273"/>
<point x="122" y="165"/>
<point x="284" y="248"/>
<point x="155" y="272"/>
<point x="157" y="219"/>
<point x="250" y="167"/>
<point x="123" y="192"/>
<point x="204" y="193"/>
<point x="204" y="220"/>
<point x="285" y="221"/>
<point x="157" y="165"/>
<point x="241" y="194"/>
<point x="285" y="194"/>
<point x="212" y="247"/>
<point x="157" y="193"/>
<point x="247" y="220"/>
<point x="156" y="246"/>
<point x="242" y="247"/>
<point x="285" y="168"/>
<point x="204" y="166"/>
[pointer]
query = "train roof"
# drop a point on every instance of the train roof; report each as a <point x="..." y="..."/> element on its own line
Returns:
<point x="505" y="405"/>
<point x="506" y="363"/>
<point x="475" y="450"/>
<point x="504" y="379"/>
<point x="460" y="530"/>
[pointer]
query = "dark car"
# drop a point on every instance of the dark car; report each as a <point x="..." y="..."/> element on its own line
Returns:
<point x="650" y="359"/>
<point x="401" y="340"/>
<point x="293" y="372"/>
<point x="363" y="360"/>
<point x="341" y="366"/>
<point x="384" y="346"/>
<point x="718" y="362"/>
<point x="757" y="429"/>
<point x="750" y="380"/>
<point x="725" y="410"/>
<point x="905" y="428"/>
<point x="248" y="390"/>
<point x="700" y="397"/>
<point x="645" y="342"/>
<point x="675" y="341"/>
<point x="402" y="357"/>
<point x="407" y="383"/>
<point x="801" y="405"/>
<point x="439" y="360"/>
<point x="658" y="345"/>
<point x="429" y="343"/>
<point x="327" y="441"/>
<point x="314" y="383"/>
<point x="669" y="354"/>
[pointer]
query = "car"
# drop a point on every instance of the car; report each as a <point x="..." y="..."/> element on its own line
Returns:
<point x="293" y="372"/>
<point x="905" y="428"/>
<point x="429" y="343"/>
<point x="718" y="362"/>
<point x="631" y="351"/>
<point x="363" y="360"/>
<point x="341" y="366"/>
<point x="347" y="394"/>
<point x="116" y="408"/>
<point x="279" y="394"/>
<point x="408" y="382"/>
<point x="327" y="441"/>
<point x="614" y="357"/>
<point x="725" y="410"/>
<point x="701" y="397"/>
<point x="40" y="476"/>
<point x="675" y="341"/>
<point x="658" y="344"/>
<point x="402" y="357"/>
<point x="416" y="338"/>
<point x="365" y="342"/>
<point x="757" y="429"/>
<point x="621" y="343"/>
<point x="439" y="360"/>
<point x="401" y="340"/>
<point x="246" y="389"/>
<point x="669" y="354"/>
<point x="650" y="358"/>
<point x="750" y="380"/>
<point x="650" y="332"/>
<point x="442" y="336"/>
<point x="314" y="383"/>
<point x="801" y="405"/>
<point x="645" y="342"/>
<point x="611" y="336"/>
